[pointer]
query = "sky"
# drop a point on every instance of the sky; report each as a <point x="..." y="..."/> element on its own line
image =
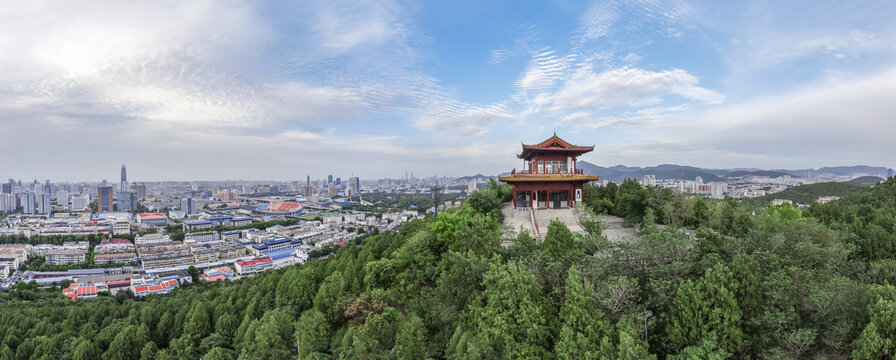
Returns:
<point x="214" y="90"/>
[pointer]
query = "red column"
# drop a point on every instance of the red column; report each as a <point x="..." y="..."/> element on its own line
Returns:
<point x="514" y="198"/>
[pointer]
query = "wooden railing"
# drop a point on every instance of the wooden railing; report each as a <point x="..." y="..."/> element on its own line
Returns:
<point x="528" y="172"/>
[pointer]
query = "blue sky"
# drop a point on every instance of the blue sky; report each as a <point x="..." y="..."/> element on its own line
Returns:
<point x="280" y="90"/>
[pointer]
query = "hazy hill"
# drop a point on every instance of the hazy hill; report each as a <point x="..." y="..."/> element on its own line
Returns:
<point x="477" y="177"/>
<point x="843" y="170"/>
<point x="745" y="173"/>
<point x="867" y="180"/>
<point x="806" y="194"/>
<point x="619" y="173"/>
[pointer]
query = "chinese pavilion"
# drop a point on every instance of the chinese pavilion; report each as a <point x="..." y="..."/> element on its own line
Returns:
<point x="549" y="178"/>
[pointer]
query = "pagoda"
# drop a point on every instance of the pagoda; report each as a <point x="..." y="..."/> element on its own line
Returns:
<point x="549" y="178"/>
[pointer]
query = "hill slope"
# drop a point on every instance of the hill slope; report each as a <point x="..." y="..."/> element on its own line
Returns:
<point x="806" y="194"/>
<point x="619" y="173"/>
<point x="867" y="180"/>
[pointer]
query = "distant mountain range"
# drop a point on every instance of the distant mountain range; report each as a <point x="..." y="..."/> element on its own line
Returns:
<point x="619" y="173"/>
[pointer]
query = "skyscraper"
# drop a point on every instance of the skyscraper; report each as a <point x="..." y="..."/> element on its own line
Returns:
<point x="80" y="202"/>
<point x="7" y="202"/>
<point x="124" y="179"/>
<point x="188" y="206"/>
<point x="44" y="203"/>
<point x="140" y="189"/>
<point x="354" y="186"/>
<point x="127" y="201"/>
<point x="28" y="201"/>
<point x="7" y="188"/>
<point x="329" y="179"/>
<point x="104" y="199"/>
<point x="307" y="190"/>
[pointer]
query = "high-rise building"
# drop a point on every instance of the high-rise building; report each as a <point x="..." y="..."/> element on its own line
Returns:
<point x="649" y="180"/>
<point x="124" y="179"/>
<point x="44" y="203"/>
<point x="28" y="202"/>
<point x="338" y="181"/>
<point x="62" y="197"/>
<point x="7" y="188"/>
<point x="80" y="202"/>
<point x="127" y="201"/>
<point x="104" y="199"/>
<point x="698" y="180"/>
<point x="7" y="202"/>
<point x="188" y="205"/>
<point x="140" y="189"/>
<point x="329" y="179"/>
<point x="354" y="186"/>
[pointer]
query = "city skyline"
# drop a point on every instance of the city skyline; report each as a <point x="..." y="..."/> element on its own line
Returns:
<point x="214" y="91"/>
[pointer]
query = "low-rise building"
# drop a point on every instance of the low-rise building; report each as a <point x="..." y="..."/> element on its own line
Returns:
<point x="114" y="245"/>
<point x="253" y="266"/>
<point x="151" y="239"/>
<point x="115" y="258"/>
<point x="275" y="244"/>
<point x="145" y="286"/>
<point x="77" y="291"/>
<point x="206" y="236"/>
<point x="231" y="235"/>
<point x="196" y="225"/>
<point x="241" y="221"/>
<point x="157" y="219"/>
<point x="65" y="257"/>
<point x="216" y="274"/>
<point x="121" y="227"/>
<point x="216" y="251"/>
<point x="165" y="254"/>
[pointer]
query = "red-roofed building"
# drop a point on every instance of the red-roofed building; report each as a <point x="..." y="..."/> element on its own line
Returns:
<point x="142" y="287"/>
<point x="340" y="243"/>
<point x="216" y="274"/>
<point x="77" y="291"/>
<point x="157" y="219"/>
<point x="285" y="206"/>
<point x="253" y="266"/>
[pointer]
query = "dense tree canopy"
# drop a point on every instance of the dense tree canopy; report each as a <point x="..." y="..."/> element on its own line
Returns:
<point x="745" y="282"/>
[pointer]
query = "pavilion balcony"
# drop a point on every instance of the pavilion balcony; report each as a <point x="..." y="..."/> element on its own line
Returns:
<point x="529" y="172"/>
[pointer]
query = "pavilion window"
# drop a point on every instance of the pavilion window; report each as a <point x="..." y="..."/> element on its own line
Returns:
<point x="555" y="166"/>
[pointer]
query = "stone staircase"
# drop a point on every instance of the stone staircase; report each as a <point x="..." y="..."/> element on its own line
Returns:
<point x="537" y="225"/>
<point x="568" y="216"/>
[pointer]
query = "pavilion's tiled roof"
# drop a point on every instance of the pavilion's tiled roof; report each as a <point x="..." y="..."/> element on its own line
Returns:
<point x="554" y="144"/>
<point x="547" y="177"/>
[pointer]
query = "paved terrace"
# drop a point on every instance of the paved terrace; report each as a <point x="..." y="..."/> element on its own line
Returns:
<point x="515" y="219"/>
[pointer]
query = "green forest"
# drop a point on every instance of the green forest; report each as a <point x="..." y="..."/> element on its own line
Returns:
<point x="754" y="282"/>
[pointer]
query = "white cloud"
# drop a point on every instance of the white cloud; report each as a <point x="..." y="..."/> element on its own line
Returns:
<point x="846" y="123"/>
<point x="545" y="70"/>
<point x="586" y="90"/>
<point x="458" y="119"/>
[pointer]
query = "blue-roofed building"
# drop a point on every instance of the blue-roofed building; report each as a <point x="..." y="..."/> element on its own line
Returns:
<point x="275" y="244"/>
<point x="282" y="258"/>
<point x="196" y="225"/>
<point x="231" y="235"/>
<point x="220" y="220"/>
<point x="241" y="221"/>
